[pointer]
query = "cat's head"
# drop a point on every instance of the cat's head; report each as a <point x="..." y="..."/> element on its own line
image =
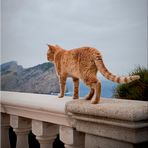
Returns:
<point x="52" y="50"/>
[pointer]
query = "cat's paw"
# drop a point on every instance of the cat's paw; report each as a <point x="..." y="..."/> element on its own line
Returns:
<point x="94" y="101"/>
<point x="60" y="96"/>
<point x="75" y="97"/>
<point x="87" y="97"/>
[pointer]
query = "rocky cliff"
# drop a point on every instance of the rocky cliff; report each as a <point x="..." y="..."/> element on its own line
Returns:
<point x="39" y="79"/>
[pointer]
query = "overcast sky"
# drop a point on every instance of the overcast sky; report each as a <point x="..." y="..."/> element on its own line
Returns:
<point x="118" y="28"/>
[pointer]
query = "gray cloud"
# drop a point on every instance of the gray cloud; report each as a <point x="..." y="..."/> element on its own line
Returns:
<point x="116" y="27"/>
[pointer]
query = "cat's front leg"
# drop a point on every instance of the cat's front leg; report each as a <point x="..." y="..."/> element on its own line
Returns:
<point x="62" y="80"/>
<point x="76" y="88"/>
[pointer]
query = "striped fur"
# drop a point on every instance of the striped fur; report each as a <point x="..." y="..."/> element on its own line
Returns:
<point x="82" y="63"/>
<point x="118" y="79"/>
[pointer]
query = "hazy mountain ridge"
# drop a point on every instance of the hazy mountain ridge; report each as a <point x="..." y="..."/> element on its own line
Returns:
<point x="38" y="79"/>
<point x="10" y="67"/>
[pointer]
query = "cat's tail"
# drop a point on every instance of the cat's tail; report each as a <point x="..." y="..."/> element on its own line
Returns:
<point x="105" y="72"/>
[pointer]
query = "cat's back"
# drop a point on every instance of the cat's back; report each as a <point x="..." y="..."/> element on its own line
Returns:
<point x="84" y="53"/>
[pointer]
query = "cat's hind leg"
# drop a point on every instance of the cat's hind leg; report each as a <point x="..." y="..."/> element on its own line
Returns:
<point x="76" y="88"/>
<point x="90" y="95"/>
<point x="97" y="87"/>
<point x="62" y="80"/>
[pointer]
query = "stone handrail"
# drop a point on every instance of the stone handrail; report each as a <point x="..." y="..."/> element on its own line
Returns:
<point x="112" y="123"/>
<point x="35" y="106"/>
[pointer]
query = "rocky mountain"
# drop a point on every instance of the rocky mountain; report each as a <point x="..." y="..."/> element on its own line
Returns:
<point x="38" y="79"/>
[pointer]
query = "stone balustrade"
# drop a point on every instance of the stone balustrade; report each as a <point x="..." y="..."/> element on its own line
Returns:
<point x="113" y="123"/>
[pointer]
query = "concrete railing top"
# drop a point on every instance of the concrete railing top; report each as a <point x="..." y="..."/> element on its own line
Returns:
<point x="123" y="123"/>
<point x="52" y="109"/>
<point x="41" y="102"/>
<point x="46" y="108"/>
<point x="129" y="110"/>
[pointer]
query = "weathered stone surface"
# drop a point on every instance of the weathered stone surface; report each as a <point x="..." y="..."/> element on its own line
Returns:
<point x="92" y="141"/>
<point x="119" y="133"/>
<point x="45" y="133"/>
<point x="20" y="122"/>
<point x="21" y="127"/>
<point x="112" y="123"/>
<point x="40" y="128"/>
<point x="119" y="123"/>
<point x="41" y="107"/>
<point x="111" y="108"/>
<point x="71" y="137"/>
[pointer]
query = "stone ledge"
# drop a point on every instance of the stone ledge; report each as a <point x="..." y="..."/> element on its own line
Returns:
<point x="124" y="122"/>
<point x="109" y="121"/>
<point x="41" y="107"/>
<point x="119" y="109"/>
<point x="41" y="102"/>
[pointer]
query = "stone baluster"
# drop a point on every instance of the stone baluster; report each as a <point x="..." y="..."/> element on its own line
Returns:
<point x="5" y="124"/>
<point x="45" y="133"/>
<point x="72" y="138"/>
<point x="21" y="127"/>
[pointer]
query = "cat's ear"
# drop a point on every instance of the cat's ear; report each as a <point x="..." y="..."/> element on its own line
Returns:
<point x="51" y="48"/>
<point x="59" y="47"/>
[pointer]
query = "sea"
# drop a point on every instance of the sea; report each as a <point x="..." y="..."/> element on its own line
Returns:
<point x="107" y="88"/>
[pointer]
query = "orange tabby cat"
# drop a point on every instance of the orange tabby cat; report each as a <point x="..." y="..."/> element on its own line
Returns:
<point x="82" y="63"/>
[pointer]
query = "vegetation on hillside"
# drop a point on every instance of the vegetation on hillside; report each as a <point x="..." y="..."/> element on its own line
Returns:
<point x="136" y="90"/>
